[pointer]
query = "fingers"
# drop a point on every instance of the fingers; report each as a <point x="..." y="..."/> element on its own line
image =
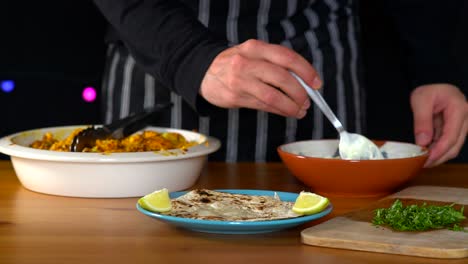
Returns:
<point x="422" y="113"/>
<point x="283" y="57"/>
<point x="247" y="90"/>
<point x="264" y="95"/>
<point x="270" y="83"/>
<point x="250" y="92"/>
<point x="256" y="75"/>
<point x="441" y="120"/>
<point x="448" y="142"/>
<point x="452" y="152"/>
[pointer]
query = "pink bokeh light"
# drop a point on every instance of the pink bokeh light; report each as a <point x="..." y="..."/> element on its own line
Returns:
<point x="89" y="94"/>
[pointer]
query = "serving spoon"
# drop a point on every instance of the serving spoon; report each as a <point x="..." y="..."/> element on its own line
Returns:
<point x="115" y="130"/>
<point x="351" y="146"/>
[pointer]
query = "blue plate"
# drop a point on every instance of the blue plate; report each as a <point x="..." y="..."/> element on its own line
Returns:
<point x="238" y="227"/>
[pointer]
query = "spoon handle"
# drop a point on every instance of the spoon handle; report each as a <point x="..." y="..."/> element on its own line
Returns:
<point x="321" y="103"/>
<point x="133" y="123"/>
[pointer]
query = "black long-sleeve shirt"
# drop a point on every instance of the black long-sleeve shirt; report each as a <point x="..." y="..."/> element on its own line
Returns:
<point x="166" y="39"/>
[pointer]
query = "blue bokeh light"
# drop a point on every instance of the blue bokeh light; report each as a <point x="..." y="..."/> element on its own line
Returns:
<point x="7" y="85"/>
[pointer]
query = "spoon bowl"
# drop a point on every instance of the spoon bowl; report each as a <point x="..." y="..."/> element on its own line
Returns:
<point x="352" y="146"/>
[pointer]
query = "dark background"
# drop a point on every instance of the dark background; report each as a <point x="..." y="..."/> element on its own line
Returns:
<point x="53" y="49"/>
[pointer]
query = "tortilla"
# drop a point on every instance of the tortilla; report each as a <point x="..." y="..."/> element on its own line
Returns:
<point x="213" y="205"/>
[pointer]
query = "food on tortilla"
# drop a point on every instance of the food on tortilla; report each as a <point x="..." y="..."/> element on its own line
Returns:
<point x="213" y="205"/>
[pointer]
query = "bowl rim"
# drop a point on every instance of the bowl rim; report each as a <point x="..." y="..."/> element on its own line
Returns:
<point x="207" y="145"/>
<point x="424" y="151"/>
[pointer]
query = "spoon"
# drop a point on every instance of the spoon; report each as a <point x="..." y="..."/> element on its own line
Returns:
<point x="116" y="130"/>
<point x="351" y="146"/>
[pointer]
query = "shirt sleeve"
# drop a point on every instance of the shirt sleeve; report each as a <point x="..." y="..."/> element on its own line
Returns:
<point x="429" y="31"/>
<point x="166" y="40"/>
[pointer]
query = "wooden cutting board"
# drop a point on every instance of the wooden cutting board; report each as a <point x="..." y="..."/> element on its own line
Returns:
<point x="355" y="230"/>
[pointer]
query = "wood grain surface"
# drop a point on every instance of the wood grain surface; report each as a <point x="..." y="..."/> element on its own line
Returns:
<point x="355" y="230"/>
<point x="39" y="228"/>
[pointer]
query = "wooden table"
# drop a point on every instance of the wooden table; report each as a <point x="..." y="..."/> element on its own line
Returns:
<point x="39" y="228"/>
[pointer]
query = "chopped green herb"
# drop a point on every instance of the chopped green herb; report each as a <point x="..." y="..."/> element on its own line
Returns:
<point x="419" y="218"/>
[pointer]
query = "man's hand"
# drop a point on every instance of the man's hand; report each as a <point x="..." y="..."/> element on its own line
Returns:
<point x="256" y="75"/>
<point x="440" y="120"/>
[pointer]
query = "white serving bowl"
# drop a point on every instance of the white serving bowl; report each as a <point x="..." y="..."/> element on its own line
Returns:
<point x="101" y="175"/>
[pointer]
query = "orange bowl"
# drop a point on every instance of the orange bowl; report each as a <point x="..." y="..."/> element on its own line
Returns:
<point x="313" y="162"/>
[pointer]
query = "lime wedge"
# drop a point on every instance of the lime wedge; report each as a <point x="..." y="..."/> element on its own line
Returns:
<point x="308" y="203"/>
<point x="157" y="201"/>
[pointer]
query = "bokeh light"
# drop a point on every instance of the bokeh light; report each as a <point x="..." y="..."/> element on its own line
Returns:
<point x="89" y="94"/>
<point x="7" y="85"/>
